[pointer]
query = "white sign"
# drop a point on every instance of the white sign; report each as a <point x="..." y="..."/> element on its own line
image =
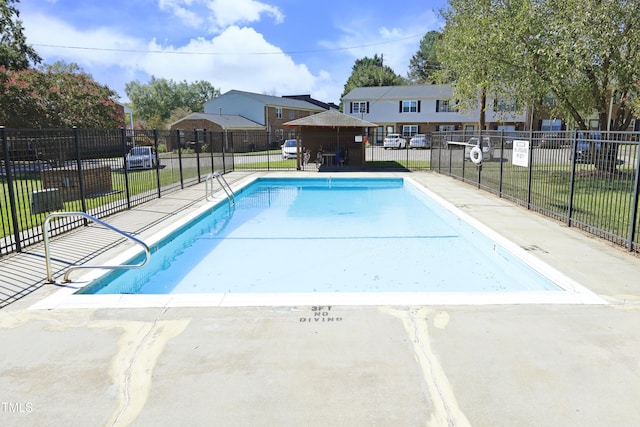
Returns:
<point x="521" y="153"/>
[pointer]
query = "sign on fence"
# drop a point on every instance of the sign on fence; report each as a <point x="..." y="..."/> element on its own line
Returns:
<point x="521" y="153"/>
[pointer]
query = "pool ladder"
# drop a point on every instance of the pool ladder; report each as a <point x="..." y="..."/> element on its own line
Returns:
<point x="47" y="252"/>
<point x="223" y="183"/>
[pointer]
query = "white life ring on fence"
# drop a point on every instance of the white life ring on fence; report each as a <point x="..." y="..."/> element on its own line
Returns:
<point x="476" y="155"/>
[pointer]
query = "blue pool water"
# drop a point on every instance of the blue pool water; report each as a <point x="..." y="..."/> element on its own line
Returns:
<point x="326" y="235"/>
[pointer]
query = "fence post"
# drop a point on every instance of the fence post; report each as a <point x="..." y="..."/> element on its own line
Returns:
<point x="572" y="178"/>
<point x="223" y="140"/>
<point x="636" y="197"/>
<point x="502" y="162"/>
<point x="479" y="166"/>
<point x="448" y="137"/>
<point x="268" y="153"/>
<point x="123" y="133"/>
<point x="208" y="140"/>
<point x="196" y="146"/>
<point x="229" y="136"/>
<point x="155" y="144"/>
<point x="10" y="189"/>
<point x="180" y="159"/>
<point x="76" y="143"/>
<point x="530" y="172"/>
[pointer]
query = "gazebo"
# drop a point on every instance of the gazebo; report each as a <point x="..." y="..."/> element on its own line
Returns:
<point x="333" y="138"/>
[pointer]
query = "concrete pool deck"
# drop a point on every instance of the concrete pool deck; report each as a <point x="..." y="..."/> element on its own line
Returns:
<point x="428" y="365"/>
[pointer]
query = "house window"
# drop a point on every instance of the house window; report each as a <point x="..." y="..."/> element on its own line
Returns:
<point x="278" y="113"/>
<point x="446" y="106"/>
<point x="446" y="128"/>
<point x="409" y="130"/>
<point x="359" y="107"/>
<point x="549" y="101"/>
<point x="292" y="114"/>
<point x="594" y="124"/>
<point x="409" y="106"/>
<point x="504" y="105"/>
<point x="551" y="125"/>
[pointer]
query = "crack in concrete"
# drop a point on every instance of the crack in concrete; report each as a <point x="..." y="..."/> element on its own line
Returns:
<point x="446" y="410"/>
<point x="139" y="349"/>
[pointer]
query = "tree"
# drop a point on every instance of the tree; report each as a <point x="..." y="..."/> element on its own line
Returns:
<point x="583" y="52"/>
<point x="15" y="54"/>
<point x="178" y="114"/>
<point x="424" y="64"/>
<point x="369" y="72"/>
<point x="156" y="100"/>
<point x="56" y="96"/>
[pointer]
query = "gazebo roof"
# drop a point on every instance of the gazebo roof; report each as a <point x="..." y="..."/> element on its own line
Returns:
<point x="330" y="119"/>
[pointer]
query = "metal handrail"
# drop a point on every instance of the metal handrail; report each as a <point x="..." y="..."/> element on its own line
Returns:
<point x="47" y="254"/>
<point x="223" y="183"/>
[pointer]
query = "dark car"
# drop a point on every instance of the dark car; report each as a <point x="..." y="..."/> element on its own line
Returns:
<point x="587" y="146"/>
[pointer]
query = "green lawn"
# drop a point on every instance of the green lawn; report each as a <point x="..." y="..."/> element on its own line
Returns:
<point x="598" y="200"/>
<point x="139" y="182"/>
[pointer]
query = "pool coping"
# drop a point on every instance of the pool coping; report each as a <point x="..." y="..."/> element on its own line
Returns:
<point x="572" y="292"/>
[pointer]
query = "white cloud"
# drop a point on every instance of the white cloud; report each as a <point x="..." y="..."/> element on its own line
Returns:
<point x="227" y="67"/>
<point x="257" y="67"/>
<point x="231" y="12"/>
<point x="188" y="17"/>
<point x="219" y="14"/>
<point x="89" y="48"/>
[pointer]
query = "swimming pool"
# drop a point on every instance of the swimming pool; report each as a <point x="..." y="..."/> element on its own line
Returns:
<point x="362" y="241"/>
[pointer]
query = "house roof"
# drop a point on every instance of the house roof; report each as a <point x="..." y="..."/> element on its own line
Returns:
<point x="225" y="121"/>
<point x="330" y="118"/>
<point x="277" y="101"/>
<point x="400" y="92"/>
<point x="308" y="98"/>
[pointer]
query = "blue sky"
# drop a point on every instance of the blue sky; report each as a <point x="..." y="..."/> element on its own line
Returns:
<point x="276" y="47"/>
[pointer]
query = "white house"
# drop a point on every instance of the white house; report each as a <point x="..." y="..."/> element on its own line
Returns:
<point x="426" y="108"/>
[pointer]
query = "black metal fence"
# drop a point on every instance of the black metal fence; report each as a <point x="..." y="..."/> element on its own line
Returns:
<point x="588" y="180"/>
<point x="95" y="171"/>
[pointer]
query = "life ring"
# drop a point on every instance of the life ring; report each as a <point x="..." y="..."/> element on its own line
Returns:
<point x="476" y="155"/>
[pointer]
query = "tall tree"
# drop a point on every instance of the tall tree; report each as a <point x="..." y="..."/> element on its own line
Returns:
<point x="15" y="54"/>
<point x="56" y="96"/>
<point x="424" y="63"/>
<point x="369" y="72"/>
<point x="154" y="101"/>
<point x="583" y="52"/>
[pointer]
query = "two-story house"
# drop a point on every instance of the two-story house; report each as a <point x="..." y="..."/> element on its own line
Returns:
<point x="268" y="111"/>
<point x="409" y="110"/>
<point x="253" y="120"/>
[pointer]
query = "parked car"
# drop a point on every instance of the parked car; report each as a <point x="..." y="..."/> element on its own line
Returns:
<point x="552" y="140"/>
<point x="420" y="141"/>
<point x="587" y="146"/>
<point x="289" y="149"/>
<point x="141" y="157"/>
<point x="394" y="140"/>
<point x="487" y="148"/>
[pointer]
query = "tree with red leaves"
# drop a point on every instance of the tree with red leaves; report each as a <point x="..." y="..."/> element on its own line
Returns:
<point x="56" y="96"/>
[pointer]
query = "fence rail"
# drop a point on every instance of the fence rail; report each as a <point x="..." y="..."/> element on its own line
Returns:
<point x="585" y="179"/>
<point x="588" y="180"/>
<point x="94" y="171"/>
